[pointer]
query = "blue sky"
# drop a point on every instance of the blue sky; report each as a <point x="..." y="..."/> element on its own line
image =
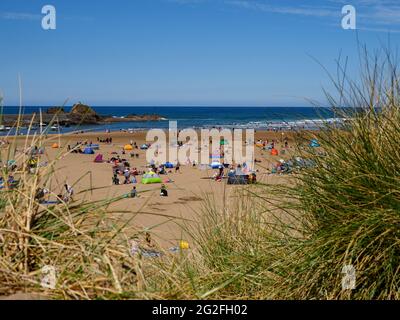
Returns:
<point x="182" y="52"/>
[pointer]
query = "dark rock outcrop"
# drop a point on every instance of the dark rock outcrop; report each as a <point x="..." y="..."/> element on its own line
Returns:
<point x="55" y="110"/>
<point x="82" y="109"/>
<point x="79" y="114"/>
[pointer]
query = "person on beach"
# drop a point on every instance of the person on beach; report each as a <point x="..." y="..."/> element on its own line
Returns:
<point x="134" y="192"/>
<point x="115" y="180"/>
<point x="163" y="191"/>
<point x="69" y="192"/>
<point x="221" y="171"/>
<point x="127" y="175"/>
<point x="177" y="167"/>
<point x="40" y="194"/>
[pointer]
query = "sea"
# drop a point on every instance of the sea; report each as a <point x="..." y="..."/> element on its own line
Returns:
<point x="270" y="118"/>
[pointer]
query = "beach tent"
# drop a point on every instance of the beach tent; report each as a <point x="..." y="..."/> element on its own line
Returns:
<point x="55" y="146"/>
<point x="94" y="146"/>
<point x="314" y="143"/>
<point x="215" y="165"/>
<point x="128" y="147"/>
<point x="144" y="147"/>
<point x="168" y="165"/>
<point x="99" y="158"/>
<point x="150" y="178"/>
<point x="88" y="151"/>
<point x="239" y="177"/>
<point x="274" y="152"/>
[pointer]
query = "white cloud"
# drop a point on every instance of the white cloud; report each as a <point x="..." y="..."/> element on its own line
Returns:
<point x="293" y="10"/>
<point x="19" y="16"/>
<point x="372" y="15"/>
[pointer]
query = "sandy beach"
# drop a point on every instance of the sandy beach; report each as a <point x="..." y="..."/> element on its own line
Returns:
<point x="162" y="217"/>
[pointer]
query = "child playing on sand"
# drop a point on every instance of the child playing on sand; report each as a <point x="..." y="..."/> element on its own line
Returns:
<point x="115" y="180"/>
<point x="134" y="192"/>
<point x="163" y="192"/>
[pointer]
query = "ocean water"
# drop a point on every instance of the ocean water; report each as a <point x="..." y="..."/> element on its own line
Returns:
<point x="206" y="117"/>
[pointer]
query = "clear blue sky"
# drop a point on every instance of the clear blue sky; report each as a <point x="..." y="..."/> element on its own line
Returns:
<point x="182" y="52"/>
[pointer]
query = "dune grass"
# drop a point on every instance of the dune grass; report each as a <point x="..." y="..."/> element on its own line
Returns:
<point x="88" y="247"/>
<point x="295" y="240"/>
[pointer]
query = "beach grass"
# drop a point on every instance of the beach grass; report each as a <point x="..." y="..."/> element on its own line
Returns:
<point x="88" y="249"/>
<point x="333" y="232"/>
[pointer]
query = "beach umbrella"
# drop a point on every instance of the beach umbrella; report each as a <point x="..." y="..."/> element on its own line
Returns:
<point x="223" y="142"/>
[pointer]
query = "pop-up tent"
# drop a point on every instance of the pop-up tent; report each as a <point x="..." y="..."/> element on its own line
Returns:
<point x="150" y="178"/>
<point x="144" y="147"/>
<point x="94" y="146"/>
<point x="168" y="165"/>
<point x="88" y="151"/>
<point x="215" y="165"/>
<point x="55" y="146"/>
<point x="239" y="177"/>
<point x="128" y="147"/>
<point x="99" y="158"/>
